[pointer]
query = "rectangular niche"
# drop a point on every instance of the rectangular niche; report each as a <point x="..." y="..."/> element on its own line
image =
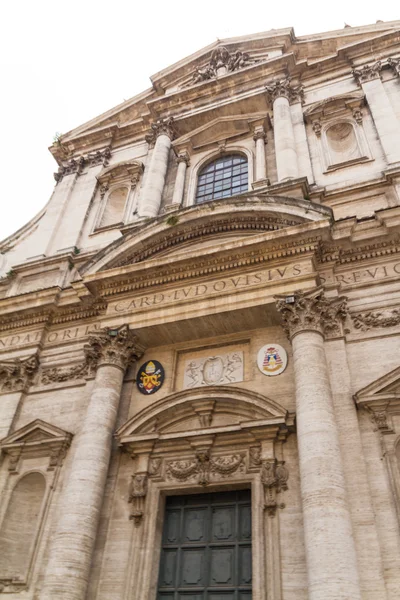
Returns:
<point x="222" y="365"/>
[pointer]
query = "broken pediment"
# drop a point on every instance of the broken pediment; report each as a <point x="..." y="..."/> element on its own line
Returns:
<point x="381" y="398"/>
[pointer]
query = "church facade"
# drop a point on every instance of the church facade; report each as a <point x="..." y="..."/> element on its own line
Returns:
<point x="200" y="336"/>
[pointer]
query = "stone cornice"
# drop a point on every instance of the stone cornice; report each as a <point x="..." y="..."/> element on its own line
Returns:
<point x="311" y="311"/>
<point x="77" y="164"/>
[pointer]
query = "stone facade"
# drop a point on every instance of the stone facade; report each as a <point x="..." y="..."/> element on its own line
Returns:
<point x="161" y="335"/>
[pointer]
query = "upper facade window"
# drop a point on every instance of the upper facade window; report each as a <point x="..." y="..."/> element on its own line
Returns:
<point x="222" y="178"/>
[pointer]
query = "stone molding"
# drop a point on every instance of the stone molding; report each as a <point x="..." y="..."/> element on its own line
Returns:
<point x="284" y="89"/>
<point x="312" y="311"/>
<point x="76" y="165"/>
<point x="367" y="72"/>
<point x="161" y="127"/>
<point x="16" y="375"/>
<point x="117" y="347"/>
<point x="395" y="65"/>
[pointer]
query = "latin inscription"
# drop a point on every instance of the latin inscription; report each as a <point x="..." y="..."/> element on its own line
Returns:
<point x="62" y="335"/>
<point x="221" y="286"/>
<point x="362" y="275"/>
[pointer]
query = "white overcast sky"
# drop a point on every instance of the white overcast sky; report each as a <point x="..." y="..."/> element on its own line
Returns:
<point x="65" y="62"/>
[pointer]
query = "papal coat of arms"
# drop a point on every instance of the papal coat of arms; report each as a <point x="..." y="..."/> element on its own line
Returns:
<point x="272" y="359"/>
<point x="150" y="377"/>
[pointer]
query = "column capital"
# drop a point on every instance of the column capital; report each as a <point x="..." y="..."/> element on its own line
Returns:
<point x="183" y="157"/>
<point x="259" y="133"/>
<point x="368" y="73"/>
<point x="395" y="65"/>
<point x="17" y="374"/>
<point x="161" y="127"/>
<point x="118" y="347"/>
<point x="311" y="311"/>
<point x="284" y="89"/>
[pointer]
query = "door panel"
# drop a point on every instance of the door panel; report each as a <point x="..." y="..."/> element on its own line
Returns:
<point x="206" y="552"/>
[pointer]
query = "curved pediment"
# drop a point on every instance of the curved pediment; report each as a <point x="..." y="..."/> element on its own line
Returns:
<point x="224" y="221"/>
<point x="219" y="408"/>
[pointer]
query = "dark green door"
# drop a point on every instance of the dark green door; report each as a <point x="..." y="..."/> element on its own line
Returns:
<point x="206" y="551"/>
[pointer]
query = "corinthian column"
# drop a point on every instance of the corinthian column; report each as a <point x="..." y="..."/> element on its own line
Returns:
<point x="330" y="551"/>
<point x="161" y="135"/>
<point x="72" y="545"/>
<point x="285" y="146"/>
<point x="385" y="119"/>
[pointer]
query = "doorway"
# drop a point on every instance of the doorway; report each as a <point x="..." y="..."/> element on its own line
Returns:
<point x="206" y="547"/>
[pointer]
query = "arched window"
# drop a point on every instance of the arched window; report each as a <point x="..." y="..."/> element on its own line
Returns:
<point x="20" y="524"/>
<point x="223" y="177"/>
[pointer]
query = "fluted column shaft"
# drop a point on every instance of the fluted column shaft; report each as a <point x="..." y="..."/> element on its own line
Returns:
<point x="71" y="548"/>
<point x="285" y="144"/>
<point x="385" y="119"/>
<point x="183" y="162"/>
<point x="150" y="202"/>
<point x="330" y="551"/>
<point x="261" y="166"/>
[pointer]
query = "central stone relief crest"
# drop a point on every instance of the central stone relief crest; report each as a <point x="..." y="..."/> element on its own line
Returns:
<point x="214" y="370"/>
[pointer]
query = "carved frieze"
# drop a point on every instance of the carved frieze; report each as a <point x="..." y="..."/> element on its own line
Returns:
<point x="371" y="319"/>
<point x="285" y="89"/>
<point x="222" y="62"/>
<point x="367" y="72"/>
<point x="17" y="374"/>
<point x="214" y="370"/>
<point x="205" y="467"/>
<point x="305" y="311"/>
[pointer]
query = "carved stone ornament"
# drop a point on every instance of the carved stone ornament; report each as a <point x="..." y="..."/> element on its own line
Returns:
<point x="368" y="72"/>
<point x="222" y="62"/>
<point x="161" y="127"/>
<point x="183" y="157"/>
<point x="274" y="476"/>
<point x="17" y="374"/>
<point x="317" y="128"/>
<point x="395" y="65"/>
<point x="305" y="311"/>
<point x="116" y="347"/>
<point x="259" y="134"/>
<point x="284" y="89"/>
<point x="76" y="165"/>
<point x="203" y="466"/>
<point x="364" y="321"/>
<point x="137" y="496"/>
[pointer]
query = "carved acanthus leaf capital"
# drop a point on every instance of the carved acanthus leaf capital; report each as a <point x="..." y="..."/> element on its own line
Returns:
<point x="183" y="157"/>
<point x="395" y="65"/>
<point x="17" y="374"/>
<point x="118" y="347"/>
<point x="284" y="89"/>
<point x="161" y="127"/>
<point x="368" y="73"/>
<point x="312" y="311"/>
<point x="259" y="134"/>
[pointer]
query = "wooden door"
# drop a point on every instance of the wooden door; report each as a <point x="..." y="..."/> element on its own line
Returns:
<point x="206" y="552"/>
